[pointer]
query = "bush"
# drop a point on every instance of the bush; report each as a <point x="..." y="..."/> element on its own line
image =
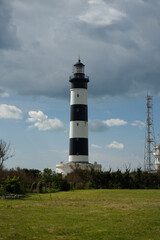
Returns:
<point x="39" y="187"/>
<point x="33" y="187"/>
<point x="32" y="180"/>
<point x="83" y="179"/>
<point x="12" y="185"/>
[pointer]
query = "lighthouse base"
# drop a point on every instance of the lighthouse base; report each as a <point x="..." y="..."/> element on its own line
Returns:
<point x="157" y="165"/>
<point x="65" y="168"/>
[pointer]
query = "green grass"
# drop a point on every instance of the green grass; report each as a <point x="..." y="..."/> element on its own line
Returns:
<point x="85" y="214"/>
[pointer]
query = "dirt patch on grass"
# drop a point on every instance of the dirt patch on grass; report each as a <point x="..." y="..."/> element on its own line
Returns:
<point x="13" y="196"/>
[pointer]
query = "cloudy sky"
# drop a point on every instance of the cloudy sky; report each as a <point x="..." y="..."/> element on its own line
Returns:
<point x="119" y="43"/>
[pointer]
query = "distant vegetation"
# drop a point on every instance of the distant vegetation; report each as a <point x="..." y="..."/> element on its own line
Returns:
<point x="21" y="181"/>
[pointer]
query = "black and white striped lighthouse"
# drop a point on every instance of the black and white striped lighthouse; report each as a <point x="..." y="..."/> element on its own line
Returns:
<point x="78" y="135"/>
<point x="78" y="142"/>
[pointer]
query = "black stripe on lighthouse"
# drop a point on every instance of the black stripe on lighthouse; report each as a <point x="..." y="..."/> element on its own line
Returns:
<point x="79" y="112"/>
<point x="78" y="146"/>
<point x="79" y="84"/>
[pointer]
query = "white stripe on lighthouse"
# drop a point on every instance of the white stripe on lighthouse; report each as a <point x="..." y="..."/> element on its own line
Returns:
<point x="78" y="129"/>
<point x="78" y="158"/>
<point x="79" y="96"/>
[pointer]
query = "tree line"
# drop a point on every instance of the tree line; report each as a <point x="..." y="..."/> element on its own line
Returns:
<point x="21" y="181"/>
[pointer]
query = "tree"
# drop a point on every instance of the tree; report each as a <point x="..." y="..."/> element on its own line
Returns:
<point x="6" y="152"/>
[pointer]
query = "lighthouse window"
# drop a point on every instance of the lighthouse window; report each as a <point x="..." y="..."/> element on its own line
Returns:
<point x="77" y="95"/>
<point x="79" y="69"/>
<point x="77" y="124"/>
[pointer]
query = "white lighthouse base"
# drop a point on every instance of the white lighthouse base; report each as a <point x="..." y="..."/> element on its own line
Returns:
<point x="65" y="168"/>
<point x="157" y="156"/>
<point x="157" y="165"/>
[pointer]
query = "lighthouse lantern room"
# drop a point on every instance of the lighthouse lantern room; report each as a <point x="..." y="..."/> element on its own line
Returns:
<point x="78" y="67"/>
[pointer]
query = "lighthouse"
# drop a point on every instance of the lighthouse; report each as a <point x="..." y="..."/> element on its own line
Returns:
<point x="157" y="156"/>
<point x="78" y="127"/>
<point x="78" y="136"/>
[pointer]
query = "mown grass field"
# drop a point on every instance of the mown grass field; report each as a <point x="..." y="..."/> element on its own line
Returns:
<point x="85" y="214"/>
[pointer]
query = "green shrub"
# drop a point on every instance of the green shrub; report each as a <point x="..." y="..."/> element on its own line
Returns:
<point x="2" y="190"/>
<point x="33" y="187"/>
<point x="12" y="185"/>
<point x="39" y="187"/>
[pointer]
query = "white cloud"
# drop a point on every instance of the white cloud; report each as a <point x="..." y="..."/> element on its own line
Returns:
<point x="96" y="146"/>
<point x="98" y="125"/>
<point x="100" y="14"/>
<point x="10" y="111"/>
<point x="137" y="123"/>
<point x="115" y="145"/>
<point x="114" y="122"/>
<point x="43" y="123"/>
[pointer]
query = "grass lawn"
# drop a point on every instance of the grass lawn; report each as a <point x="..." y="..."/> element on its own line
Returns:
<point x="85" y="214"/>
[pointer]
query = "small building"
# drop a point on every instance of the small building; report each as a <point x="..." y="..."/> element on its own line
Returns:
<point x="66" y="168"/>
